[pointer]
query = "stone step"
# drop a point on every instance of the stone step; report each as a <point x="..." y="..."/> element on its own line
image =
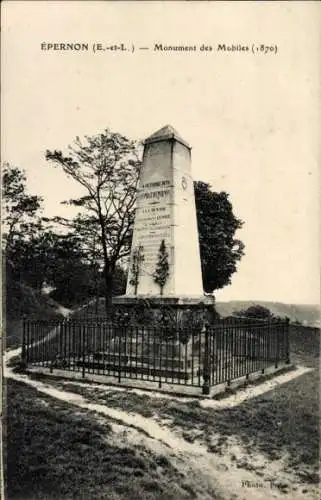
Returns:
<point x="151" y="360"/>
<point x="141" y="368"/>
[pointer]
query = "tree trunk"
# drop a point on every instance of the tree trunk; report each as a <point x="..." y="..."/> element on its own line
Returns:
<point x="109" y="268"/>
<point x="109" y="281"/>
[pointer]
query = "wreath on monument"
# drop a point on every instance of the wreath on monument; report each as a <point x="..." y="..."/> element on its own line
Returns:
<point x="162" y="267"/>
<point x="137" y="259"/>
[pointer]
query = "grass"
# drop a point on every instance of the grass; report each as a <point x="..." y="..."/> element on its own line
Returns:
<point x="22" y="300"/>
<point x="305" y="345"/>
<point x="283" y="421"/>
<point x="55" y="451"/>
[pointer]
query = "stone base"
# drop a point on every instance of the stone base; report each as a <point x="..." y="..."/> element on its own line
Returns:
<point x="188" y="389"/>
<point x="165" y="300"/>
<point x="167" y="369"/>
<point x="171" y="312"/>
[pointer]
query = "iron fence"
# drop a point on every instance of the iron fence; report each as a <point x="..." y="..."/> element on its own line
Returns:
<point x="220" y="352"/>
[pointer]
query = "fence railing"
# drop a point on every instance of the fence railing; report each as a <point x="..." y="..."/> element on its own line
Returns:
<point x="219" y="353"/>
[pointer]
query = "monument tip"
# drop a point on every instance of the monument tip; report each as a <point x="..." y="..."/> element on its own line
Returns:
<point x="167" y="132"/>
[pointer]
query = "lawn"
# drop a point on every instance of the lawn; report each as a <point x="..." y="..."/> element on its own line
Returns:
<point x="57" y="451"/>
<point x="282" y="422"/>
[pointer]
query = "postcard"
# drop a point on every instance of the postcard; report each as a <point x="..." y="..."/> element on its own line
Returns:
<point x="160" y="230"/>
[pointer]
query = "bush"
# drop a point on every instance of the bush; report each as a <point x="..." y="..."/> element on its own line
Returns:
<point x="255" y="311"/>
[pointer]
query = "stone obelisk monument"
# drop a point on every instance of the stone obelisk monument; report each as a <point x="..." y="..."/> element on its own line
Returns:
<point x="165" y="211"/>
<point x="165" y="216"/>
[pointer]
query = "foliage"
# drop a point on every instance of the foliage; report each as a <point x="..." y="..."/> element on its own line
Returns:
<point x="20" y="219"/>
<point x="73" y="278"/>
<point x="36" y="254"/>
<point x="107" y="168"/>
<point x="256" y="311"/>
<point x="162" y="267"/>
<point x="22" y="228"/>
<point x="56" y="260"/>
<point x="22" y="300"/>
<point x="220" y="250"/>
<point x="137" y="259"/>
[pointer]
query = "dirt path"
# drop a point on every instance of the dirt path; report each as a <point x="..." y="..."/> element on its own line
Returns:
<point x="230" y="401"/>
<point x="52" y="334"/>
<point x="191" y="458"/>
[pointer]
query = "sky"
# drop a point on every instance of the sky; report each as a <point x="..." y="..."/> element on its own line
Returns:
<point x="252" y="119"/>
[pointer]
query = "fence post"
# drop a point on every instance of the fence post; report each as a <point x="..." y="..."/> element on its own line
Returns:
<point x="160" y="358"/>
<point x="277" y="325"/>
<point x="83" y="328"/>
<point x="23" y="345"/>
<point x="64" y="342"/>
<point x="121" y="331"/>
<point x="287" y="340"/>
<point x="206" y="364"/>
<point x="28" y="340"/>
<point x="61" y="325"/>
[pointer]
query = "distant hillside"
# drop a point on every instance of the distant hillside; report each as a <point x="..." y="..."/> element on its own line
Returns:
<point x="308" y="315"/>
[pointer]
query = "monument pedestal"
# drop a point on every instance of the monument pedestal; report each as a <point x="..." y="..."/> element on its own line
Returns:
<point x="164" y="312"/>
<point x="161" y="336"/>
<point x="159" y="325"/>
